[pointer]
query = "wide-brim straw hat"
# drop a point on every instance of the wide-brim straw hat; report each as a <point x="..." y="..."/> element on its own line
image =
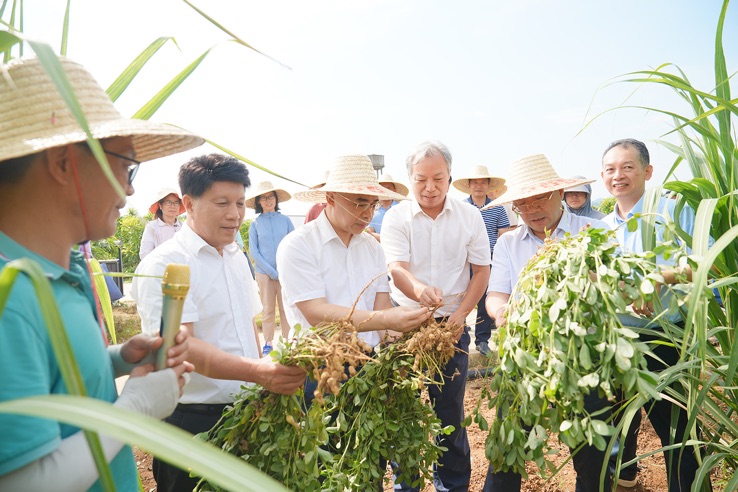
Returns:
<point x="478" y="172"/>
<point x="34" y="117"/>
<point x="399" y="187"/>
<point x="350" y="174"/>
<point x="163" y="193"/>
<point x="322" y="181"/>
<point x="263" y="188"/>
<point x="533" y="175"/>
<point x="581" y="188"/>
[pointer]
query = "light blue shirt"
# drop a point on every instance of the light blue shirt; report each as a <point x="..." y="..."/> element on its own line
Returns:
<point x="633" y="242"/>
<point x="28" y="366"/>
<point x="514" y="249"/>
<point x="376" y="222"/>
<point x="265" y="233"/>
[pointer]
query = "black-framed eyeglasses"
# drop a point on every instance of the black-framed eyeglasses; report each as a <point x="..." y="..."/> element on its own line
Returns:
<point x="132" y="167"/>
<point x="363" y="207"/>
<point x="534" y="205"/>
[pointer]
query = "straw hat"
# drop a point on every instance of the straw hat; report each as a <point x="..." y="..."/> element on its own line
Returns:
<point x="34" y="117"/>
<point x="163" y="193"/>
<point x="533" y="175"/>
<point x="350" y="174"/>
<point x="478" y="172"/>
<point x="262" y="188"/>
<point x="399" y="187"/>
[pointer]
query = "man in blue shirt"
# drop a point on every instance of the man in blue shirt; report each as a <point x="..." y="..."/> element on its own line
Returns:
<point x="477" y="185"/>
<point x="625" y="169"/>
<point x="53" y="196"/>
<point x="375" y="226"/>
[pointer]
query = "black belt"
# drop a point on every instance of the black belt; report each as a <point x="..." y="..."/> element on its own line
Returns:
<point x="207" y="408"/>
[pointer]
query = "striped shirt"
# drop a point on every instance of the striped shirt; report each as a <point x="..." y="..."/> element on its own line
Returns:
<point x="495" y="218"/>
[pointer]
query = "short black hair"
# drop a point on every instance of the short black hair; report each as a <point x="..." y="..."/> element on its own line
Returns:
<point x="259" y="209"/>
<point x="13" y="170"/>
<point x="198" y="174"/>
<point x="640" y="147"/>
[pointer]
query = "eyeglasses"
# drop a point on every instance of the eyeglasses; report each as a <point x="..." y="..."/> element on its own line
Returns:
<point x="534" y="205"/>
<point x="267" y="197"/>
<point x="170" y="203"/>
<point x="132" y="167"/>
<point x="363" y="207"/>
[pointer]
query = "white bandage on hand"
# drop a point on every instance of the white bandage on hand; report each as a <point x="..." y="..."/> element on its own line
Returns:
<point x="155" y="394"/>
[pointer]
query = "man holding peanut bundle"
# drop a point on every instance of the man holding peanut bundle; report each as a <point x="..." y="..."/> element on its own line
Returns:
<point x="430" y="244"/>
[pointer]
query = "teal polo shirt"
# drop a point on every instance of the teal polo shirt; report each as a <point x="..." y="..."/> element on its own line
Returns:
<point x="28" y="366"/>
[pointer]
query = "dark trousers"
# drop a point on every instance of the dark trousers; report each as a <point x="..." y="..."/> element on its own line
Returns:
<point x="453" y="471"/>
<point x="194" y="419"/>
<point x="588" y="461"/>
<point x="485" y="324"/>
<point x="681" y="465"/>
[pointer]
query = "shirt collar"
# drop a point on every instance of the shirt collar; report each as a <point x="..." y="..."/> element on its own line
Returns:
<point x="175" y="225"/>
<point x="327" y="233"/>
<point x="637" y="208"/>
<point x="415" y="207"/>
<point x="194" y="243"/>
<point x="11" y="250"/>
<point x="471" y="200"/>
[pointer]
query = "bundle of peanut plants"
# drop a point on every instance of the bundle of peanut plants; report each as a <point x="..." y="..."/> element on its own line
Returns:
<point x="365" y="411"/>
<point x="563" y="339"/>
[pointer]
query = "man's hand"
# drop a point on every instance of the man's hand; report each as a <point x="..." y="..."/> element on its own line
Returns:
<point x="139" y="347"/>
<point x="501" y="316"/>
<point x="404" y="319"/>
<point x="278" y="378"/>
<point x="430" y="297"/>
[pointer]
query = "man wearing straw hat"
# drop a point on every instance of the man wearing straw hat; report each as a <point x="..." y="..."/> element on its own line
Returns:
<point x="220" y="305"/>
<point x="375" y="226"/>
<point x="326" y="264"/>
<point x="477" y="185"/>
<point x="53" y="196"/>
<point x="431" y="244"/>
<point x="535" y="191"/>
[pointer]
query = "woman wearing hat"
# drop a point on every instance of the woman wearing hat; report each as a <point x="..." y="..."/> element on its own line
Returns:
<point x="265" y="233"/>
<point x="375" y="226"/>
<point x="167" y="207"/>
<point x="578" y="200"/>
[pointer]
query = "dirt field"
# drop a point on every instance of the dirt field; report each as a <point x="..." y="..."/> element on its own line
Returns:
<point x="652" y="476"/>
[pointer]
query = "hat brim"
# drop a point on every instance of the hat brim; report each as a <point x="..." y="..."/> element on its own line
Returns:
<point x="399" y="187"/>
<point x="521" y="193"/>
<point x="463" y="184"/>
<point x="155" y="206"/>
<point x="282" y="196"/>
<point x="318" y="195"/>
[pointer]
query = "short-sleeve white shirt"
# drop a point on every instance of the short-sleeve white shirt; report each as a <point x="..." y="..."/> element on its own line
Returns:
<point x="515" y="248"/>
<point x="221" y="304"/>
<point x="439" y="251"/>
<point x="314" y="263"/>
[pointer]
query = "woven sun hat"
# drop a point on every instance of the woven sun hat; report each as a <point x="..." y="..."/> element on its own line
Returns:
<point x="34" y="117"/>
<point x="163" y="193"/>
<point x="583" y="188"/>
<point x="399" y="187"/>
<point x="350" y="174"/>
<point x="533" y="175"/>
<point x="262" y="188"/>
<point x="478" y="172"/>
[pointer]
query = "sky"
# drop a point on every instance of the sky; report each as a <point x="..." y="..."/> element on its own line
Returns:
<point x="493" y="80"/>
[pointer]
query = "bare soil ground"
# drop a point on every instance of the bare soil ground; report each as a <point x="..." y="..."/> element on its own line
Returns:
<point x="652" y="477"/>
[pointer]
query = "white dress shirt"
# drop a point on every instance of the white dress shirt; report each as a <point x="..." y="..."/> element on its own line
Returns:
<point x="515" y="248"/>
<point x="439" y="251"/>
<point x="313" y="263"/>
<point x="221" y="304"/>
